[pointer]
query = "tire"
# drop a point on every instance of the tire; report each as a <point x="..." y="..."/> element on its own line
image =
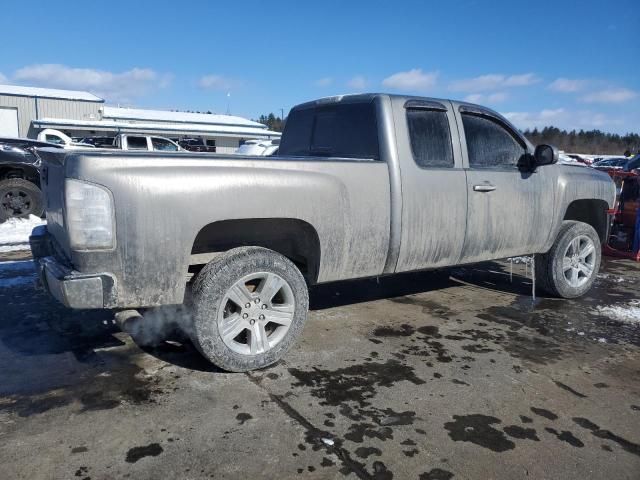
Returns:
<point x="239" y="323"/>
<point x="20" y="198"/>
<point x="556" y="269"/>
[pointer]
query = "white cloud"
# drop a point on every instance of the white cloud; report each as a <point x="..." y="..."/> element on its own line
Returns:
<point x="543" y="118"/>
<point x="569" y="120"/>
<point x="612" y="95"/>
<point x="496" y="97"/>
<point x="474" y="98"/>
<point x="217" y="82"/>
<point x="522" y="80"/>
<point x="412" y="80"/>
<point x="492" y="82"/>
<point x="357" y="83"/>
<point x="115" y="87"/>
<point x="567" y="85"/>
<point x="323" y="82"/>
<point x="3" y="78"/>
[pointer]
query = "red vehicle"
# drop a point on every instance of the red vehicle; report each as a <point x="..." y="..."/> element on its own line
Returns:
<point x="625" y="217"/>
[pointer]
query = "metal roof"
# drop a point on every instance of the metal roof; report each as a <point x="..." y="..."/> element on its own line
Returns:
<point x="165" y="128"/>
<point x="18" y="90"/>
<point x="119" y="113"/>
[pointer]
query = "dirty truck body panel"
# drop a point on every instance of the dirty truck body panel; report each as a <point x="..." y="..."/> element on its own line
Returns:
<point x="412" y="204"/>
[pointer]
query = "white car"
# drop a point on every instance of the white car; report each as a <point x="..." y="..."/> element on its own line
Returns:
<point x="148" y="143"/>
<point x="258" y="147"/>
<point x="56" y="136"/>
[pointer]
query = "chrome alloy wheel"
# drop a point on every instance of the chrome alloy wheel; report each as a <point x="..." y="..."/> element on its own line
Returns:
<point x="578" y="262"/>
<point x="256" y="313"/>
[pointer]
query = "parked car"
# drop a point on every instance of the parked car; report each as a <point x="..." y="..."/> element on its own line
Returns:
<point x="259" y="147"/>
<point x="126" y="141"/>
<point x="20" y="194"/>
<point x="198" y="145"/>
<point x="616" y="163"/>
<point x="50" y="135"/>
<point x="363" y="185"/>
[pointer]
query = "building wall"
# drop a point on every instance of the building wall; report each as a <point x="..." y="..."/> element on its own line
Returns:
<point x="26" y="111"/>
<point x="226" y="144"/>
<point x="31" y="108"/>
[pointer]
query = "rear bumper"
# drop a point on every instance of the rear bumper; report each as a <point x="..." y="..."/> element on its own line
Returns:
<point x="71" y="288"/>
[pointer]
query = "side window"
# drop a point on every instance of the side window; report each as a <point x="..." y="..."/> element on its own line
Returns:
<point x="137" y="143"/>
<point x="489" y="144"/>
<point x="54" y="139"/>
<point x="430" y="138"/>
<point x="344" y="130"/>
<point x="163" y="144"/>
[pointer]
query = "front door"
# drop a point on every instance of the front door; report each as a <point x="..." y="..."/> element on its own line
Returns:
<point x="510" y="211"/>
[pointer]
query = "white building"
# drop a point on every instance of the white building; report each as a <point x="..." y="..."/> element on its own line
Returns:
<point x="25" y="111"/>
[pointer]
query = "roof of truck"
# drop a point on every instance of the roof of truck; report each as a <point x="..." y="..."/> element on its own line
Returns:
<point x="364" y="97"/>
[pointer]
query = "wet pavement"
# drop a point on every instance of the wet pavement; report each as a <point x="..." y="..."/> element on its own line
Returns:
<point x="409" y="377"/>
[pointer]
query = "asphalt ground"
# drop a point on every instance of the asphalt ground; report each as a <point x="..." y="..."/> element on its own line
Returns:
<point x="409" y="377"/>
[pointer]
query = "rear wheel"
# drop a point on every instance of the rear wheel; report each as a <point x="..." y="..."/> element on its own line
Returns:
<point x="249" y="308"/>
<point x="569" y="269"/>
<point x="19" y="198"/>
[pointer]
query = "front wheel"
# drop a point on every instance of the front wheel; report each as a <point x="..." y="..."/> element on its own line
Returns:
<point x="249" y="307"/>
<point x="569" y="269"/>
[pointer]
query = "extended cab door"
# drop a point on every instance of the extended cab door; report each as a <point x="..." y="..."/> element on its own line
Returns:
<point x="510" y="211"/>
<point x="434" y="190"/>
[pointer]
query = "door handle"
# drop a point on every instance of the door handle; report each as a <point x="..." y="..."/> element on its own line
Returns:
<point x="484" y="187"/>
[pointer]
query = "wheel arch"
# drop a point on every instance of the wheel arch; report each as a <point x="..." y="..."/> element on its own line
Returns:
<point x="592" y="212"/>
<point x="26" y="172"/>
<point x="293" y="238"/>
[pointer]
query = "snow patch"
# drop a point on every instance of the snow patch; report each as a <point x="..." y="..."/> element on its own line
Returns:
<point x="629" y="313"/>
<point x="14" y="233"/>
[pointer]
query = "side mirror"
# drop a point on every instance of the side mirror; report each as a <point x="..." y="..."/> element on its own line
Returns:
<point x="545" y="155"/>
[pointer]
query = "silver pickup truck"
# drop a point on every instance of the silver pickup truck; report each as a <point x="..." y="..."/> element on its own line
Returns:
<point x="362" y="185"/>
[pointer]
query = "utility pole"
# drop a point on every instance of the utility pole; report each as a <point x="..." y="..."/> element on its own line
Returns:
<point x="282" y="113"/>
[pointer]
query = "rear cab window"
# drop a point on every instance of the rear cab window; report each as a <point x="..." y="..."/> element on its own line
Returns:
<point x="343" y="130"/>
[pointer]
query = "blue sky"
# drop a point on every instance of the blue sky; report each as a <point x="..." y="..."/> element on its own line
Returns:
<point x="570" y="64"/>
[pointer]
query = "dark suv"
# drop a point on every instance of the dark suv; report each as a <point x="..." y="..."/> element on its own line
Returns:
<point x="20" y="194"/>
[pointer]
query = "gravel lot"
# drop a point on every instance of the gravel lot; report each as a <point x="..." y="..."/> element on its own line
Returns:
<point x="411" y="377"/>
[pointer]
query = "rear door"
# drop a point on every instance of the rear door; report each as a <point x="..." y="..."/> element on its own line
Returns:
<point x="510" y="211"/>
<point x="434" y="191"/>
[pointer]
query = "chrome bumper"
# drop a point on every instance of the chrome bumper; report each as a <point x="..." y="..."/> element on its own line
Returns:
<point x="71" y="288"/>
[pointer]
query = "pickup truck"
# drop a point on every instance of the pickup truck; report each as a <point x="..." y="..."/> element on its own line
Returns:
<point x="124" y="141"/>
<point x="362" y="186"/>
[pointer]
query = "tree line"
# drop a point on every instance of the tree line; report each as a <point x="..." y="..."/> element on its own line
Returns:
<point x="586" y="141"/>
<point x="272" y="121"/>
